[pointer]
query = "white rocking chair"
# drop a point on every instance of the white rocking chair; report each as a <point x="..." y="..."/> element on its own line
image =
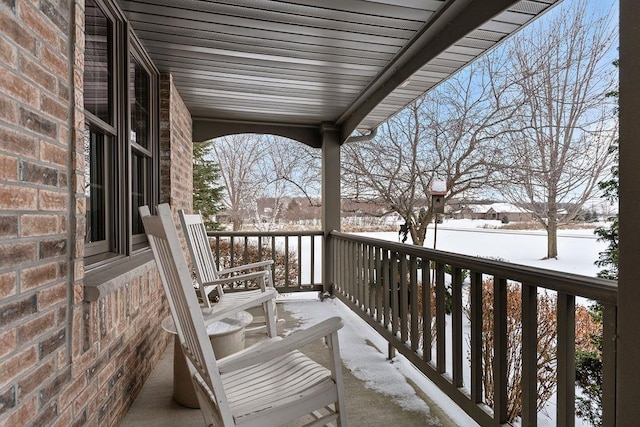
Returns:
<point x="268" y="384"/>
<point x="210" y="278"/>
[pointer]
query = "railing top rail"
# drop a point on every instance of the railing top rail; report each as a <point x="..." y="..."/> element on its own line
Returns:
<point x="602" y="290"/>
<point x="263" y="233"/>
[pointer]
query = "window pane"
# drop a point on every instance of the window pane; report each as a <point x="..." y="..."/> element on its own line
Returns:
<point x="139" y="189"/>
<point x="139" y="93"/>
<point x="97" y="62"/>
<point x="95" y="186"/>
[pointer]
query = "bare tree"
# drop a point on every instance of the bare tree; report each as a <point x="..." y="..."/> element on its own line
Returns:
<point x="554" y="163"/>
<point x="446" y="135"/>
<point x="239" y="157"/>
<point x="266" y="168"/>
<point x="288" y="169"/>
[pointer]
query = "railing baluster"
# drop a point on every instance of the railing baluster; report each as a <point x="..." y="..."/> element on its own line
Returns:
<point x="231" y="252"/>
<point x="274" y="258"/>
<point x="566" y="359"/>
<point x="378" y="285"/>
<point x="300" y="261"/>
<point x="441" y="301"/>
<point x="312" y="271"/>
<point x="476" y="338"/>
<point x="371" y="280"/>
<point x="500" y="350"/>
<point x="245" y="255"/>
<point x="427" y="338"/>
<point x="361" y="275"/>
<point x="386" y="272"/>
<point x="395" y="304"/>
<point x="413" y="282"/>
<point x="287" y="282"/>
<point x="404" y="300"/>
<point x="529" y="355"/>
<point x="456" y="326"/>
<point x="609" y="352"/>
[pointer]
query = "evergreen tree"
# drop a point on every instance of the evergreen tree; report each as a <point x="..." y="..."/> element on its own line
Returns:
<point x="589" y="363"/>
<point x="207" y="193"/>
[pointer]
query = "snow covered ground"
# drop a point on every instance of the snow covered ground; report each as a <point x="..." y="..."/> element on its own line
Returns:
<point x="578" y="249"/>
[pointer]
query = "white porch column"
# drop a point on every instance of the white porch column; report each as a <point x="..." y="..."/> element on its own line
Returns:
<point x="628" y="373"/>
<point x="330" y="196"/>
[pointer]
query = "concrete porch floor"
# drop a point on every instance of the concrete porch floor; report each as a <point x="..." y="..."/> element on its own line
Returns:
<point x="154" y="406"/>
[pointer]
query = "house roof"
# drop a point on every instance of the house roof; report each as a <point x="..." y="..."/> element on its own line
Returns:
<point x="294" y="65"/>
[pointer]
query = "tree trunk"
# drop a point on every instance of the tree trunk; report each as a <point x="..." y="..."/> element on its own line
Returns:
<point x="552" y="236"/>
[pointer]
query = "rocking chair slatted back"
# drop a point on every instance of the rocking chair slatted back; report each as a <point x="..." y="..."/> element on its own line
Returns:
<point x="188" y="318"/>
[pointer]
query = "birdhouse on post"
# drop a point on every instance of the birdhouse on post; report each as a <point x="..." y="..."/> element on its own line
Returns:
<point x="438" y="191"/>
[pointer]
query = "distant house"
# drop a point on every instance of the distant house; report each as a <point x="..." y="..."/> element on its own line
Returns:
<point x="496" y="211"/>
<point x="509" y="211"/>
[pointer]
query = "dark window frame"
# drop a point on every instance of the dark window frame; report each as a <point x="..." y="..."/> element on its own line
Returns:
<point x="121" y="242"/>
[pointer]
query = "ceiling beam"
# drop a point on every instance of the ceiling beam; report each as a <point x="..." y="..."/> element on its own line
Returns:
<point x="205" y="129"/>
<point x="454" y="21"/>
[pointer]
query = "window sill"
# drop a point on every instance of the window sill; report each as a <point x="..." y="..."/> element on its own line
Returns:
<point x="104" y="281"/>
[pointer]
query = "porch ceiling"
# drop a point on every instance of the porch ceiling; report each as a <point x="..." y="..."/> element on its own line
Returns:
<point x="300" y="63"/>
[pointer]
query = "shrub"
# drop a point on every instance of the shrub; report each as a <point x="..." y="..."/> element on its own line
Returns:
<point x="254" y="254"/>
<point x="547" y="335"/>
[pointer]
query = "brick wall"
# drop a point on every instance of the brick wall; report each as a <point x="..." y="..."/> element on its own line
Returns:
<point x="176" y="154"/>
<point x="65" y="361"/>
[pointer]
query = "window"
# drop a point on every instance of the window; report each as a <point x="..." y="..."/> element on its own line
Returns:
<point x="121" y="135"/>
<point x="141" y="146"/>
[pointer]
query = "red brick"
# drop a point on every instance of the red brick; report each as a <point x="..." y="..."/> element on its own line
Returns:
<point x="8" y="226"/>
<point x="19" y="89"/>
<point x="17" y="365"/>
<point x="14" y="197"/>
<point x="7" y="53"/>
<point x="38" y="276"/>
<point x="34" y="21"/>
<point x="32" y="381"/>
<point x="8" y="400"/>
<point x="37" y="123"/>
<point x="24" y="414"/>
<point x="7" y="342"/>
<point x="54" y="62"/>
<point x="54" y="108"/>
<point x="37" y="73"/>
<point x="18" y="142"/>
<point x="50" y="345"/>
<point x="13" y="254"/>
<point x="8" y="284"/>
<point x="53" y="154"/>
<point x="52" y="248"/>
<point x="15" y="31"/>
<point x="8" y="167"/>
<point x="68" y="396"/>
<point x="33" y="329"/>
<point x="52" y="200"/>
<point x="57" y="13"/>
<point x="52" y="295"/>
<point x="38" y="225"/>
<point x="86" y="397"/>
<point x="64" y="419"/>
<point x="8" y="110"/>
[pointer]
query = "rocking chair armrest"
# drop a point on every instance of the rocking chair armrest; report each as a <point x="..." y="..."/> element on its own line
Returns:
<point x="222" y="310"/>
<point x="244" y="267"/>
<point x="248" y="276"/>
<point x="271" y="348"/>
